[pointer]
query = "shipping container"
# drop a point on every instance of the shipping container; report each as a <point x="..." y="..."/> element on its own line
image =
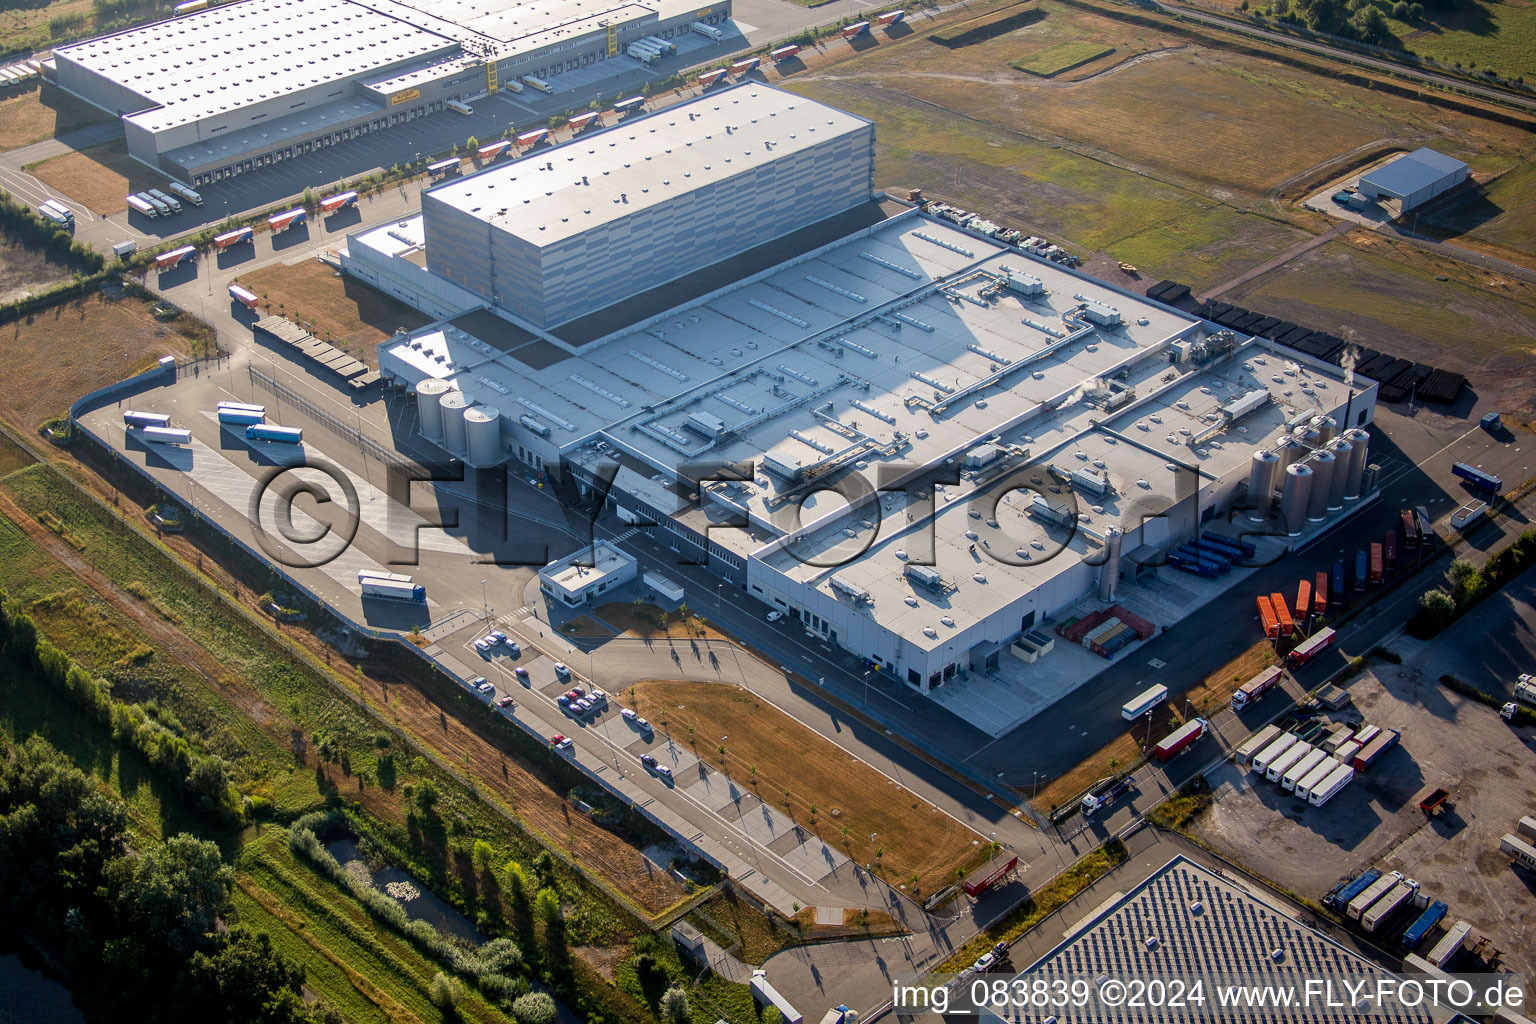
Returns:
<point x="1477" y="478"/>
<point x="231" y="238"/>
<point x="125" y="248"/>
<point x="1243" y="756"/>
<point x="1181" y="738"/>
<point x="176" y="188"/>
<point x="1282" y="764"/>
<point x="145" y="419"/>
<point x="1467" y="514"/>
<point x="1144" y="702"/>
<point x="1282" y="614"/>
<point x="1525" y="828"/>
<point x="138" y="205"/>
<point x="393" y="590"/>
<point x="1347" y="751"/>
<point x="1256" y="687"/>
<point x="166" y="435"/>
<point x="1349" y="890"/>
<point x="248" y="299"/>
<point x="279" y="222"/>
<point x="274" y="433"/>
<point x="1261" y="761"/>
<point x="240" y="417"/>
<point x="783" y="53"/>
<point x="1304" y="601"/>
<point x="1267" y="618"/>
<point x="1302" y="768"/>
<point x="1311" y="647"/>
<point x="1377" y="563"/>
<point x="1372" y="751"/>
<point x="1423" y="924"/>
<point x="1320" y="594"/>
<point x="1449" y="945"/>
<point x="1385" y="907"/>
<point x="1330" y="787"/>
<point x="340" y="201"/>
<point x="1375" y="891"/>
<point x="1316" y="777"/>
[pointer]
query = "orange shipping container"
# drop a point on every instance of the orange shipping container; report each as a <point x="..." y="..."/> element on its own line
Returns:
<point x="1267" y="617"/>
<point x="1283" y="613"/>
<point x="1303" y="601"/>
<point x="1320" y="594"/>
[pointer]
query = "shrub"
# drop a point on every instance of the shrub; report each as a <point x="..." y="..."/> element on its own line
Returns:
<point x="445" y="992"/>
<point x="674" y="1006"/>
<point x="534" y="1008"/>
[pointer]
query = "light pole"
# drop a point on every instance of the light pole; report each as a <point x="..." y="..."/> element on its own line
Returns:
<point x="485" y="611"/>
<point x="1149" y="727"/>
<point x="872" y="850"/>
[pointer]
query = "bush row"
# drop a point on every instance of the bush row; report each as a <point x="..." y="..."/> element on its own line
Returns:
<point x="1466" y="586"/>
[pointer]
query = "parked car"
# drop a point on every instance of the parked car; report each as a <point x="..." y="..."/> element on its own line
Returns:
<point x="649" y="760"/>
<point x="484" y="644"/>
<point x="482" y="687"/>
<point x="560" y="742"/>
<point x="561" y="670"/>
<point x="521" y="673"/>
<point x="665" y="772"/>
<point x="775" y="616"/>
<point x="512" y="647"/>
<point x="496" y="636"/>
<point x="630" y="715"/>
<point x="598" y="698"/>
<point x="505" y="702"/>
<point x="581" y="705"/>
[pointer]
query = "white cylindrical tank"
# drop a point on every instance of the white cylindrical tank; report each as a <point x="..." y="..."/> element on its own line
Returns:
<point x="482" y="436"/>
<point x="453" y="406"/>
<point x="1342" y="452"/>
<point x="1109" y="575"/>
<point x="1356" y="469"/>
<point x="1323" y="465"/>
<point x="1263" y="472"/>
<point x="1327" y="429"/>
<point x="1294" y="494"/>
<point x="429" y="393"/>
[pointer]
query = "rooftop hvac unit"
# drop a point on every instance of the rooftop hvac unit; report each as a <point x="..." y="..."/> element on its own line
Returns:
<point x="1245" y="406"/>
<point x="854" y="592"/>
<point x="781" y="465"/>
<point x="982" y="455"/>
<point x="1093" y="483"/>
<point x="925" y="576"/>
<point x="1054" y="512"/>
<point x="708" y="426"/>
<point x="534" y="425"/>
<point x="1100" y="313"/>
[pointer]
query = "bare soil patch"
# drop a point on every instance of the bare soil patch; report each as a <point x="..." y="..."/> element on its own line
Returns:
<point x="100" y="177"/>
<point x="43" y="113"/>
<point x="337" y="309"/>
<point x="24" y="270"/>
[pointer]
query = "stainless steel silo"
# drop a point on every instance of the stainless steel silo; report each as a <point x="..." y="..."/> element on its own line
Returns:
<point x="1109" y="574"/>
<point x="453" y="406"/>
<point x="1343" y="451"/>
<point x="482" y="436"/>
<point x="1308" y="435"/>
<point x="1323" y="466"/>
<point x="1357" y="460"/>
<point x="1294" y="495"/>
<point x="1263" y="474"/>
<point x="429" y="393"/>
<point x="1327" y="429"/>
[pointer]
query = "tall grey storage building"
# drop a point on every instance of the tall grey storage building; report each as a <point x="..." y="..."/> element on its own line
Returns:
<point x="595" y="222"/>
<point x="1415" y="178"/>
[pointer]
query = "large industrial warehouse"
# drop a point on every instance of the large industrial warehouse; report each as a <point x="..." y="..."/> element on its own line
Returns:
<point x="918" y="441"/>
<point x="230" y="88"/>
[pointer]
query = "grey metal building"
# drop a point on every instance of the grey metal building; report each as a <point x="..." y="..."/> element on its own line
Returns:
<point x="606" y="217"/>
<point x="1415" y="178"/>
<point x="233" y="87"/>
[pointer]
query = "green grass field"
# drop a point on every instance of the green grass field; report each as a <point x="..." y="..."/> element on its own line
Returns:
<point x="1478" y="35"/>
<point x="1053" y="60"/>
<point x="1502" y="217"/>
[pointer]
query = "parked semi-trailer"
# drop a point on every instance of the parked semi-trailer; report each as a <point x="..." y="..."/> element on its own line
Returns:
<point x="1311" y="647"/>
<point x="1387" y="905"/>
<point x="1282" y="764"/>
<point x="1375" y="891"/>
<point x="1243" y="756"/>
<point x="1267" y="617"/>
<point x="891" y="18"/>
<point x="1320" y="594"/>
<point x="1525" y="690"/>
<point x="1303" y="602"/>
<point x="288" y="219"/>
<point x="1302" y="768"/>
<point x="1339" y="898"/>
<point x="1326" y="790"/>
<point x="634" y="104"/>
<point x="709" y="78"/>
<point x="858" y="28"/>
<point x="1316" y="777"/>
<point x="783" y="53"/>
<point x="1282" y="614"/>
<point x="241" y="417"/>
<point x="1144" y="702"/>
<point x="57" y="212"/>
<point x="168" y="200"/>
<point x="1104" y="793"/>
<point x="531" y="138"/>
<point x="172" y="259"/>
<point x="160" y="208"/>
<point x="143" y="206"/>
<point x="273" y="433"/>
<point x="445" y="168"/>
<point x="745" y="65"/>
<point x="166" y="435"/>
<point x="1256" y="687"/>
<point x="1372" y="751"/>
<point x="340" y="201"/>
<point x="230" y="238"/>
<point x="176" y="188"/>
<point x="1468" y="514"/>
<point x="1477" y="478"/>
<point x="539" y="84"/>
<point x="394" y="590"/>
<point x="707" y="30"/>
<point x="487" y="154"/>
<point x="1423" y="924"/>
<point x="140" y="420"/>
<point x="245" y="297"/>
<point x="1449" y="945"/>
<point x="1264" y="758"/>
<point x="1182" y="737"/>
<point x="1377" y="563"/>
<point x="380" y="574"/>
<point x="581" y="121"/>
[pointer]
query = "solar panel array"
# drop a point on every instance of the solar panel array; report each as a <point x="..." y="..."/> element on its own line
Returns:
<point x="1186" y="922"/>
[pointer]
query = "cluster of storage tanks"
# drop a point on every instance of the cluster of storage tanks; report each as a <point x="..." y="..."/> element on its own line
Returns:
<point x="451" y="418"/>
<point x="1316" y="469"/>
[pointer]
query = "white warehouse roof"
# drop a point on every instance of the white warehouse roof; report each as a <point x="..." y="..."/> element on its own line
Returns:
<point x="233" y="55"/>
<point x="619" y="172"/>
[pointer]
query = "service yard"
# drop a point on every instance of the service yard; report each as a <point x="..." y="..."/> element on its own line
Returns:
<point x="1447" y="740"/>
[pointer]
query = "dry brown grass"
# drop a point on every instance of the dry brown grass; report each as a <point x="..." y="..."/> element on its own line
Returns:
<point x="646" y="622"/>
<point x="43" y="113"/>
<point x="64" y="352"/>
<point x="850" y="798"/>
<point x="340" y="310"/>
<point x="24" y="270"/>
<point x="100" y="177"/>
<point x="1215" y="691"/>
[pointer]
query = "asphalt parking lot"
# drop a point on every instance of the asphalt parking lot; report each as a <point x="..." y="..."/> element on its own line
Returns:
<point x="1447" y="740"/>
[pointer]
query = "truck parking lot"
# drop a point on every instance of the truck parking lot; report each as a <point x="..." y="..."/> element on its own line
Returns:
<point x="1376" y="821"/>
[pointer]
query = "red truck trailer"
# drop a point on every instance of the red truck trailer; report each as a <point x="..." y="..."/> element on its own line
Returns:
<point x="992" y="880"/>
<point x="1256" y="687"/>
<point x="1282" y="614"/>
<point x="1182" y="737"/>
<point x="1320" y="594"/>
<point x="1304" y="601"/>
<point x="1267" y="617"/>
<point x="1389" y="549"/>
<point x="1384" y="741"/>
<point x="1377" y="573"/>
<point x="1311" y="647"/>
<point x="1410" y="529"/>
